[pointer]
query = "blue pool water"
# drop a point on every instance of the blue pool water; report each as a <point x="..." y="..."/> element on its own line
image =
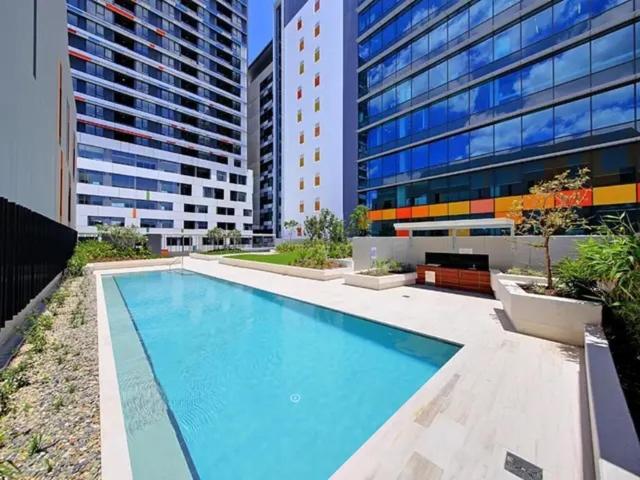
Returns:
<point x="258" y="385"/>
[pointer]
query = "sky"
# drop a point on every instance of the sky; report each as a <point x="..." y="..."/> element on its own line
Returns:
<point x="260" y="26"/>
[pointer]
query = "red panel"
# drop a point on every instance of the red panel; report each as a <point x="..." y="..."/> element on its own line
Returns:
<point x="120" y="11"/>
<point x="80" y="55"/>
<point x="402" y="213"/>
<point x="481" y="206"/>
<point x="402" y="233"/>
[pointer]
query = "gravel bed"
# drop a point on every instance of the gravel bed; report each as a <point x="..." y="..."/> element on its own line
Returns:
<point x="50" y="422"/>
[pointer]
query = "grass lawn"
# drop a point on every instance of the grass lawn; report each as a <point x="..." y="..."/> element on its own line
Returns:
<point x="277" y="258"/>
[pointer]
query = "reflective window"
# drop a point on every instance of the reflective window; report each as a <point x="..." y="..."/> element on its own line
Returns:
<point x="458" y="106"/>
<point x="480" y="11"/>
<point x="507" y="88"/>
<point x="481" y="141"/>
<point x="481" y="54"/>
<point x="438" y="75"/>
<point x="438" y="153"/>
<point x="438" y="113"/>
<point x="459" y="147"/>
<point x="572" y="118"/>
<point x="612" y="49"/>
<point x="481" y="97"/>
<point x="571" y="64"/>
<point x="537" y="77"/>
<point x="506" y="42"/>
<point x="569" y="12"/>
<point x="613" y="107"/>
<point x="458" y="24"/>
<point x="507" y="134"/>
<point x="458" y="65"/>
<point x="537" y="27"/>
<point x="537" y="127"/>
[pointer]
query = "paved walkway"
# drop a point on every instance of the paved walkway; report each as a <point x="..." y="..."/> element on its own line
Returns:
<point x="503" y="392"/>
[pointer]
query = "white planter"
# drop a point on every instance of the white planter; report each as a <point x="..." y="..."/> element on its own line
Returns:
<point x="380" y="283"/>
<point x="310" y="273"/>
<point x="554" y="318"/>
<point x="152" y="262"/>
<point x="616" y="449"/>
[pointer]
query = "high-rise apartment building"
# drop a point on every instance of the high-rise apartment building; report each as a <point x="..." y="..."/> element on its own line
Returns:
<point x="161" y="99"/>
<point x="465" y="105"/>
<point x="315" y="106"/>
<point x="260" y="148"/>
<point x="37" y="154"/>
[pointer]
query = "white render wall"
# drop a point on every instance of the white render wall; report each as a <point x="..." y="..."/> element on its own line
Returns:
<point x="178" y="215"/>
<point x="330" y="116"/>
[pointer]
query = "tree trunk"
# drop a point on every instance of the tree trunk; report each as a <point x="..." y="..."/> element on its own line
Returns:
<point x="547" y="260"/>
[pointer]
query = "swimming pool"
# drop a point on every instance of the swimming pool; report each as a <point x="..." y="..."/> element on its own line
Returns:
<point x="219" y="380"/>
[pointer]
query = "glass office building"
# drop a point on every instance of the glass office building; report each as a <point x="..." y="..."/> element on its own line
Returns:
<point x="161" y="90"/>
<point x="463" y="106"/>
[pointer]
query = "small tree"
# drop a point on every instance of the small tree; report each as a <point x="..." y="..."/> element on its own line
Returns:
<point x="359" y="222"/>
<point x="122" y="237"/>
<point x="234" y="237"/>
<point x="217" y="235"/>
<point x="290" y="226"/>
<point x="551" y="209"/>
<point x="325" y="226"/>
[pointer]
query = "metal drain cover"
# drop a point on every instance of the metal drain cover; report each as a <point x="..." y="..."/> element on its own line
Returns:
<point x="521" y="468"/>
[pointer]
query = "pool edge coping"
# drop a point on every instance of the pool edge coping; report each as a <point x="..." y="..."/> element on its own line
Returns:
<point x="114" y="447"/>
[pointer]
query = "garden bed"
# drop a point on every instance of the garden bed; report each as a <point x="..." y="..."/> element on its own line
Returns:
<point x="50" y="423"/>
<point x="268" y="263"/>
<point x="380" y="282"/>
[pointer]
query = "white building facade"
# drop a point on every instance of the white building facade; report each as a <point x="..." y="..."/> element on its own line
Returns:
<point x="161" y="92"/>
<point x="312" y="111"/>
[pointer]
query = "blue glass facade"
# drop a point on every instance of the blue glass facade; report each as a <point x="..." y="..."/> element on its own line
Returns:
<point x="451" y="91"/>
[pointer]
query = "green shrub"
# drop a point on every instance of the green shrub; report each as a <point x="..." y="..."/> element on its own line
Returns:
<point x="340" y="250"/>
<point x="89" y="251"/>
<point x="382" y="267"/>
<point x="288" y="247"/>
<point x="313" y="255"/>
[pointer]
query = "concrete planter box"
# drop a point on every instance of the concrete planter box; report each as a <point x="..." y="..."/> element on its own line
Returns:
<point x="554" y="318"/>
<point x="153" y="262"/>
<point x="616" y="449"/>
<point x="380" y="283"/>
<point x="310" y="273"/>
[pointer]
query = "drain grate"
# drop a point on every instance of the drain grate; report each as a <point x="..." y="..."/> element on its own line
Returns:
<point x="521" y="468"/>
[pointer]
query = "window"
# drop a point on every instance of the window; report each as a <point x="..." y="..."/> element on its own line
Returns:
<point x="481" y="54"/>
<point x="481" y="141"/>
<point x="299" y="231"/>
<point x="316" y="130"/>
<point x="238" y="196"/>
<point x="301" y="138"/>
<point x="316" y="155"/>
<point x="299" y="24"/>
<point x="299" y="93"/>
<point x="316" y="105"/>
<point x="221" y="176"/>
<point x="537" y="77"/>
<point x="216" y="193"/>
<point x="301" y="207"/>
<point x="301" y="67"/>
<point x="506" y="42"/>
<point x="316" y="80"/>
<point x="301" y="160"/>
<point x="507" y="135"/>
<point x="613" y="107"/>
<point x="537" y="127"/>
<point x="507" y="88"/>
<point x="571" y="64"/>
<point x="299" y="116"/>
<point x="316" y="205"/>
<point x="316" y="55"/>
<point x="316" y="180"/>
<point x="612" y="49"/>
<point x="316" y="6"/>
<point x="301" y="44"/>
<point x="316" y="30"/>
<point x="301" y="184"/>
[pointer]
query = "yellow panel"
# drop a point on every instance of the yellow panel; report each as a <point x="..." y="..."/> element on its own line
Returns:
<point x="614" y="194"/>
<point x="389" y="214"/>
<point x="505" y="204"/>
<point x="465" y="232"/>
<point x="439" y="210"/>
<point x="458" y="208"/>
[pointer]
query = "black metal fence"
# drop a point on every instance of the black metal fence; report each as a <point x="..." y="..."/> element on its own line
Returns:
<point x="33" y="250"/>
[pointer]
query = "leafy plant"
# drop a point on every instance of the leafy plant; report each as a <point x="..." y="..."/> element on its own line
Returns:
<point x="359" y="222"/>
<point x="58" y="403"/>
<point x="325" y="226"/>
<point x="122" y="238"/>
<point x="290" y="226"/>
<point x="340" y="250"/>
<point x="382" y="267"/>
<point x="552" y="209"/>
<point x="314" y="255"/>
<point x="217" y="235"/>
<point x="8" y="469"/>
<point x="35" y="444"/>
<point x="288" y="247"/>
<point x="88" y="251"/>
<point x="234" y="237"/>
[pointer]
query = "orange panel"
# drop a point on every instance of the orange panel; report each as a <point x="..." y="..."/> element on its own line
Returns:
<point x="638" y="194"/>
<point x="402" y="233"/>
<point x="574" y="198"/>
<point x="389" y="214"/>
<point x="481" y="206"/>
<point x="505" y="204"/>
<point x="79" y="55"/>
<point x="134" y="213"/>
<point x="375" y="215"/>
<point x="439" y="210"/>
<point x="120" y="11"/>
<point x="536" y="202"/>
<point x="420" y="212"/>
<point x="403" y="212"/>
<point x="458" y="208"/>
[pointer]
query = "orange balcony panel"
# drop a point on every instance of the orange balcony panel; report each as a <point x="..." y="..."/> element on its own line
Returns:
<point x="459" y="208"/>
<point x="505" y="204"/>
<point x="403" y="213"/>
<point x="79" y="55"/>
<point x="537" y="202"/>
<point x="439" y="210"/>
<point x="575" y="198"/>
<point x="120" y="11"/>
<point x="402" y="233"/>
<point x="420" y="212"/>
<point x="517" y="218"/>
<point x="638" y="194"/>
<point x="615" y="194"/>
<point x="375" y="215"/>
<point x="389" y="214"/>
<point x="481" y="206"/>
